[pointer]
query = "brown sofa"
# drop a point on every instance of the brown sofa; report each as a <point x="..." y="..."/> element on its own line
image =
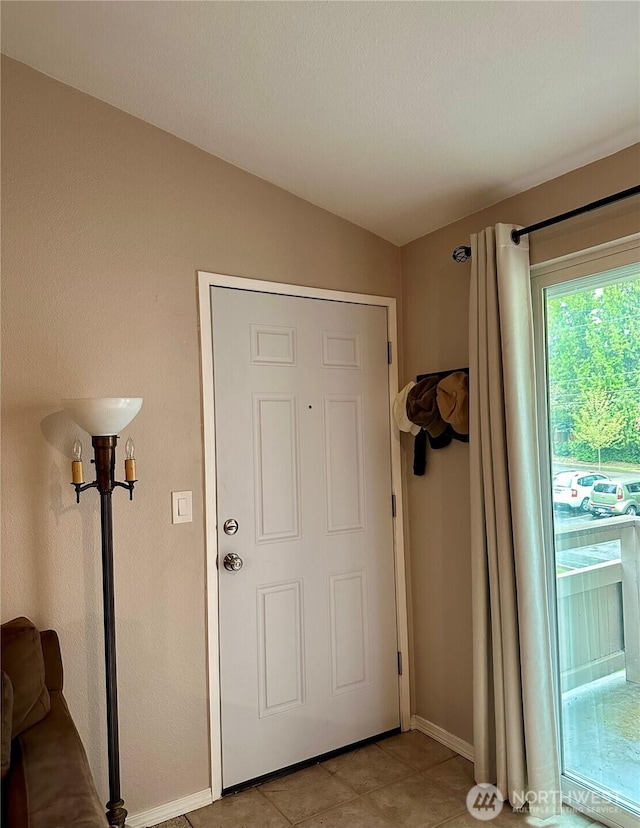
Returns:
<point x="46" y="781"/>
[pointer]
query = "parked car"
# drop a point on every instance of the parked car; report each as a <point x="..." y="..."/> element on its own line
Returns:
<point x="573" y="488"/>
<point x="615" y="498"/>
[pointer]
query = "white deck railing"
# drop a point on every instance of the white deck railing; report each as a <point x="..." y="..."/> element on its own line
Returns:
<point x="599" y="606"/>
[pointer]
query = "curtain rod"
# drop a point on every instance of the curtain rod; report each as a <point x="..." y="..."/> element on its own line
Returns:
<point x="463" y="253"/>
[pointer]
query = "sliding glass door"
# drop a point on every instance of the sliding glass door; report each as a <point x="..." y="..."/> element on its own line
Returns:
<point x="588" y="362"/>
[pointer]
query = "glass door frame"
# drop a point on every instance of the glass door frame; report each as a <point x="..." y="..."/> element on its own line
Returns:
<point x="594" y="262"/>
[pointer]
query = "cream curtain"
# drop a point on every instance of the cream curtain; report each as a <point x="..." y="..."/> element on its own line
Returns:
<point x="515" y="732"/>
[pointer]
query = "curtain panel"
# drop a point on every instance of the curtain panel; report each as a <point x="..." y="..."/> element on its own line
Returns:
<point x="515" y="733"/>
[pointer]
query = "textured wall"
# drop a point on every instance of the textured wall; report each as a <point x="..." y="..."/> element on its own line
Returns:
<point x="105" y="222"/>
<point x="435" y="300"/>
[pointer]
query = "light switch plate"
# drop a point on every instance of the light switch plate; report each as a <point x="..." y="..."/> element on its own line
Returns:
<point x="181" y="507"/>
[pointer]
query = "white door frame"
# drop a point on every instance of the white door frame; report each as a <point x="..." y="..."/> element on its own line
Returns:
<point x="205" y="282"/>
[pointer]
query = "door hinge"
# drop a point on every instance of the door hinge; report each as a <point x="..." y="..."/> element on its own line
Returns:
<point x="393" y="505"/>
<point x="399" y="663"/>
<point x="389" y="353"/>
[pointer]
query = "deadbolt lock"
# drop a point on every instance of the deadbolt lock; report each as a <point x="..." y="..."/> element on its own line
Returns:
<point x="230" y="526"/>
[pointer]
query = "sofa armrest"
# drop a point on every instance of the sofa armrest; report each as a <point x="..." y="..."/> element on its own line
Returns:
<point x="53" y="673"/>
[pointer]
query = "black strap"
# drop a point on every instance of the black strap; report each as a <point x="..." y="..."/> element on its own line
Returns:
<point x="420" y="453"/>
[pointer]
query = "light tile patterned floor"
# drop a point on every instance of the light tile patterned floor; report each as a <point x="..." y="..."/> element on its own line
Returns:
<point x="407" y="781"/>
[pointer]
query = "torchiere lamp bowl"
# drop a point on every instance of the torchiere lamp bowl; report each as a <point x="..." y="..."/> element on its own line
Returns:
<point x="103" y="416"/>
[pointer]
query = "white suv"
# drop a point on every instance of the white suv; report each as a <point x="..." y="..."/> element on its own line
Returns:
<point x="573" y="488"/>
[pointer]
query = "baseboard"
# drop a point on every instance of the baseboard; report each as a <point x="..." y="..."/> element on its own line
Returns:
<point x="443" y="736"/>
<point x="170" y="810"/>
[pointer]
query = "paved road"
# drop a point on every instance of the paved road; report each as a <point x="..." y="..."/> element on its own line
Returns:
<point x="625" y="476"/>
<point x="569" y="516"/>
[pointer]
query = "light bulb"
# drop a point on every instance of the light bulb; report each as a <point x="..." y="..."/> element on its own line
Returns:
<point x="130" y="449"/>
<point x="129" y="463"/>
<point x="77" y="475"/>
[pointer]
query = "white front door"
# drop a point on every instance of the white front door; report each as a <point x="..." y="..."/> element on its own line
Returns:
<point x="308" y="644"/>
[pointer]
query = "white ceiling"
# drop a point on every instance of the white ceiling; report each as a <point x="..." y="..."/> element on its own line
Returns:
<point x="399" y="116"/>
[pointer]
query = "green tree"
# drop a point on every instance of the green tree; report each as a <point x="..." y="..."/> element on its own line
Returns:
<point x="598" y="423"/>
<point x="594" y="344"/>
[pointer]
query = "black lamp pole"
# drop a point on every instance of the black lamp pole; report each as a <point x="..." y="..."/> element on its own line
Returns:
<point x="105" y="459"/>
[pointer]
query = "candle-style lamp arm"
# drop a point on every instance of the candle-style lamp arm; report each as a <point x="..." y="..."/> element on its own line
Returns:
<point x="82" y="487"/>
<point x="128" y="485"/>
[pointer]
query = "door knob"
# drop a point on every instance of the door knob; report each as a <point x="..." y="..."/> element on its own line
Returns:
<point x="230" y="526"/>
<point x="233" y="562"/>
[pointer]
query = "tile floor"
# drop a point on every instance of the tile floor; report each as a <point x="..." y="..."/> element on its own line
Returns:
<point x="406" y="780"/>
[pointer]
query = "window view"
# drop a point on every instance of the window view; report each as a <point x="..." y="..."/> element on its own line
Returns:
<point x="593" y="375"/>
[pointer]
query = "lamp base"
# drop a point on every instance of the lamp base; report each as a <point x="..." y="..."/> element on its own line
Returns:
<point x="116" y="813"/>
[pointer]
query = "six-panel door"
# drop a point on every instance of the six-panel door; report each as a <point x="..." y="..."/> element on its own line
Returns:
<point x="308" y="646"/>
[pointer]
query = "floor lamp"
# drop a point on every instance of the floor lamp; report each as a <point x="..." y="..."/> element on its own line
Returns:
<point x="103" y="418"/>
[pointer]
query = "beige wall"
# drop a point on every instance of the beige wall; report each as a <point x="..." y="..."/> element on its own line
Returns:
<point x="106" y="220"/>
<point x="435" y="322"/>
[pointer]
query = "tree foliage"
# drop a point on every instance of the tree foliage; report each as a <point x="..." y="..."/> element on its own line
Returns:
<point x="594" y="371"/>
<point x="597" y="423"/>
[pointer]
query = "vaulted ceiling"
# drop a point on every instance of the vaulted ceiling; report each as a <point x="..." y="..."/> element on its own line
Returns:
<point x="399" y="116"/>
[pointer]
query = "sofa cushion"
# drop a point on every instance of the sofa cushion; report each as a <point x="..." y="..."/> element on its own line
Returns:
<point x="7" y="716"/>
<point x="53" y="776"/>
<point x="53" y="672"/>
<point x="23" y="662"/>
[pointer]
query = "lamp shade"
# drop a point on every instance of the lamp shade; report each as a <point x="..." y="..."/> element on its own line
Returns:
<point x="103" y="416"/>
